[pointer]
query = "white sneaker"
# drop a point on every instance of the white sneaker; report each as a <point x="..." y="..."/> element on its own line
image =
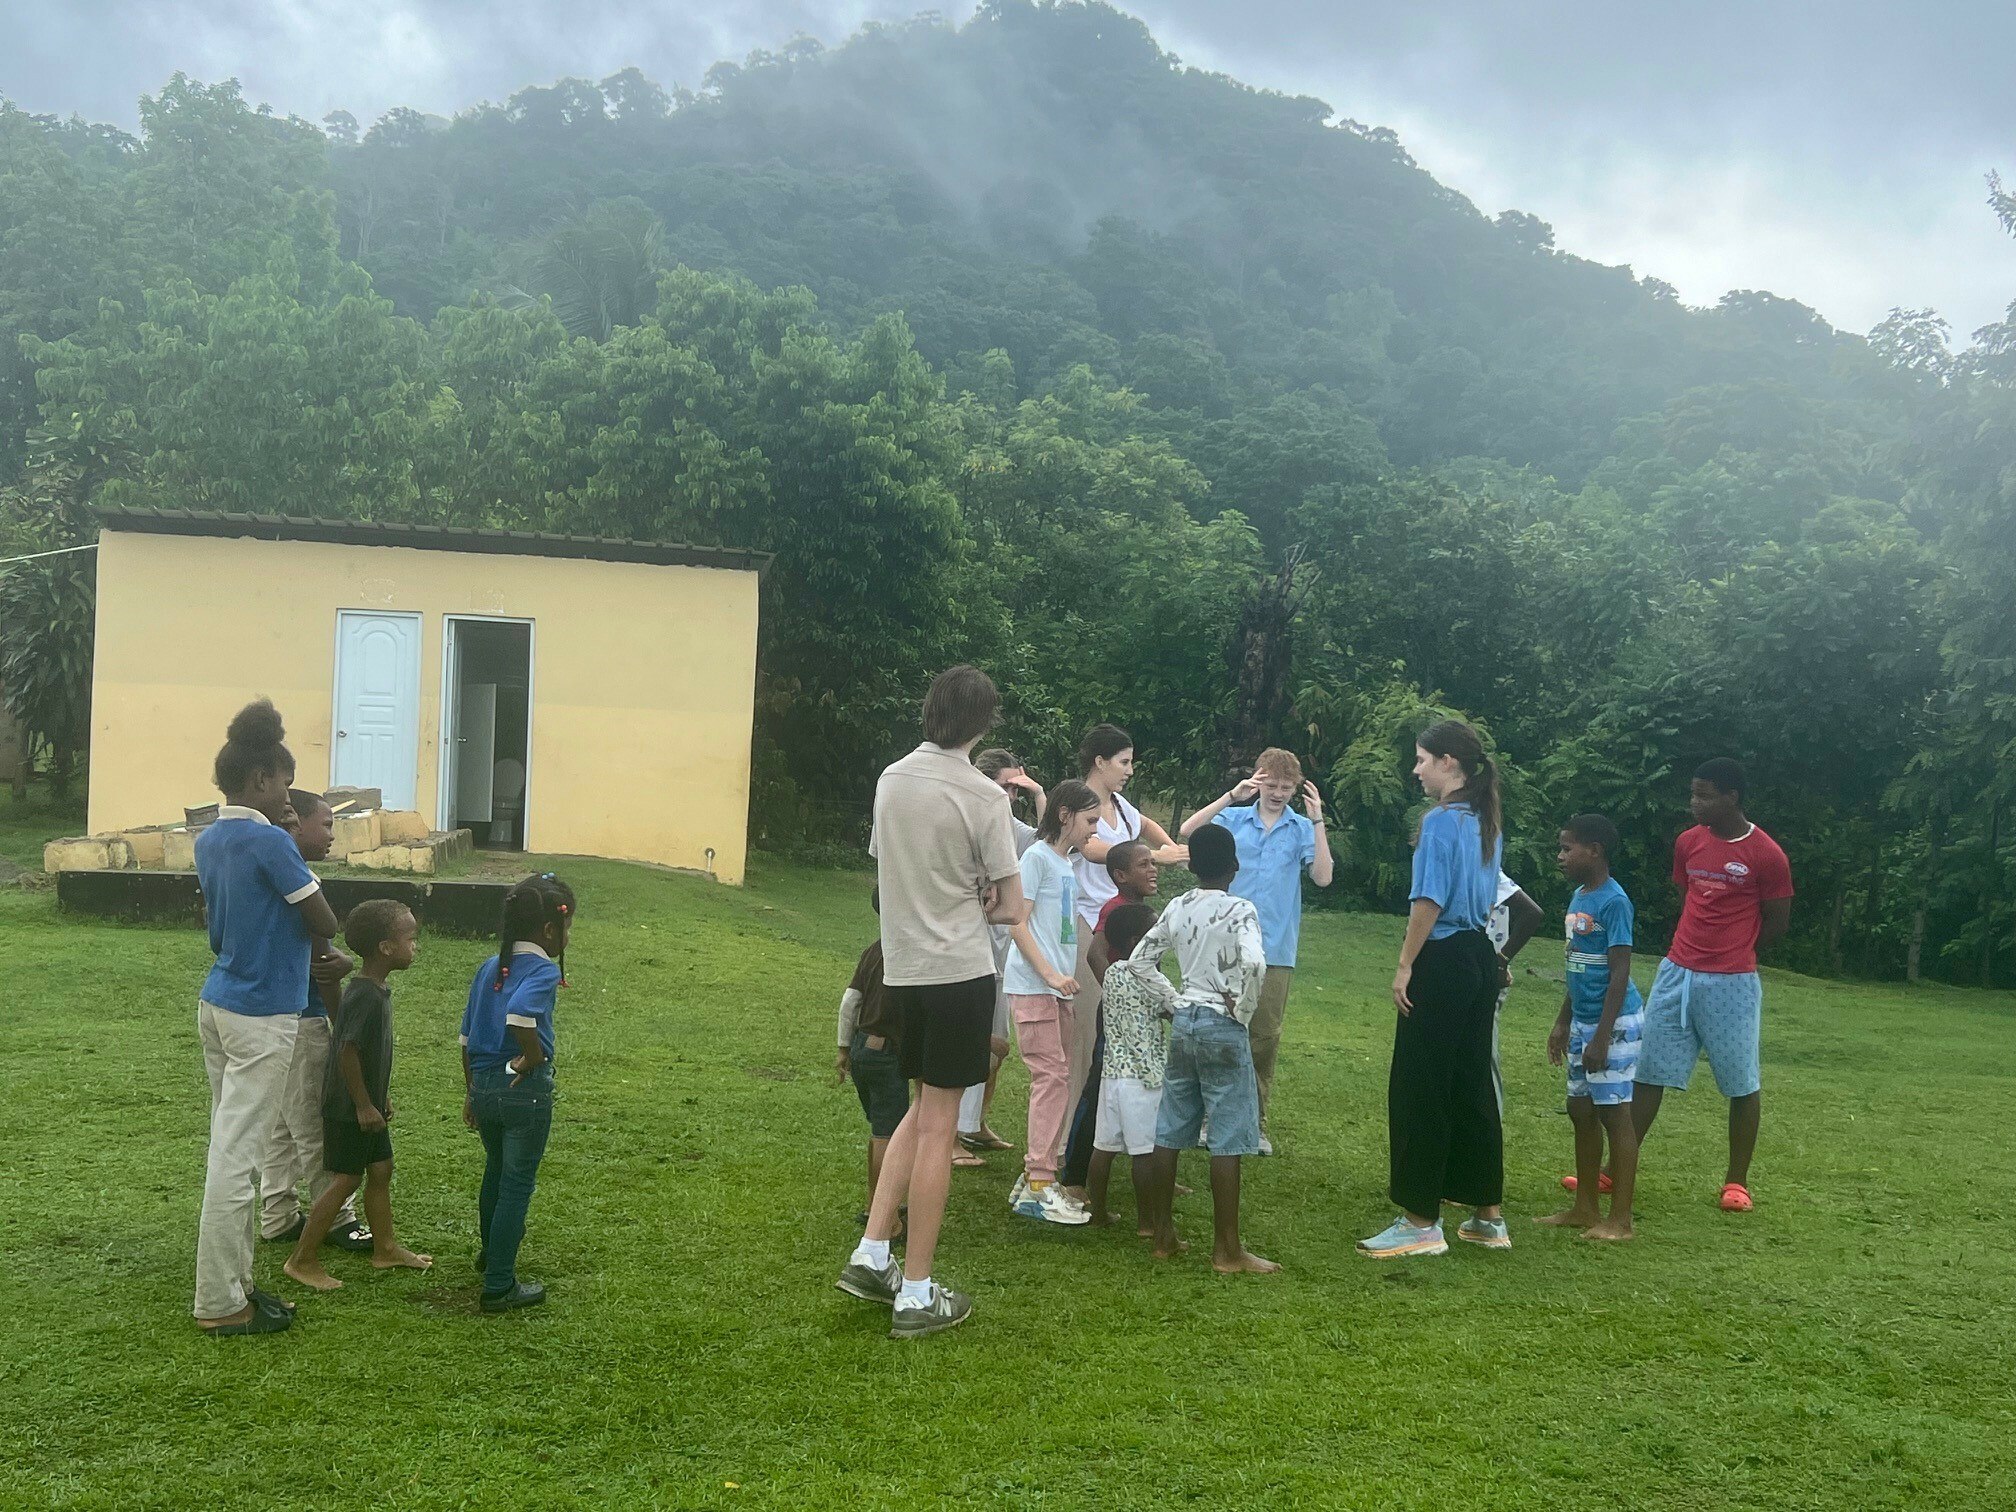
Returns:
<point x="1019" y="1193"/>
<point x="1266" y="1145"/>
<point x="1053" y="1206"/>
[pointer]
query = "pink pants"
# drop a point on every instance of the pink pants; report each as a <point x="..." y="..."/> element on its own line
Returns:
<point x="1042" y="1029"/>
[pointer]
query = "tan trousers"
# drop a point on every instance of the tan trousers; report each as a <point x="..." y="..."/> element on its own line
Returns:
<point x="1265" y="1030"/>
<point x="1085" y="1021"/>
<point x="247" y="1060"/>
<point x="294" y="1153"/>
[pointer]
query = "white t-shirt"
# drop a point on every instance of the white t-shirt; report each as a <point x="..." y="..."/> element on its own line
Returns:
<point x="1049" y="884"/>
<point x="1498" y="929"/>
<point x="1004" y="937"/>
<point x="1095" y="883"/>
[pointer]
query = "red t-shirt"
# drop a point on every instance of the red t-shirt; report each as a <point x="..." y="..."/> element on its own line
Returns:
<point x="1727" y="884"/>
<point x="1106" y="911"/>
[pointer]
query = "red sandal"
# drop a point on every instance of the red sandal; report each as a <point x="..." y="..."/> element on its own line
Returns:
<point x="1735" y="1197"/>
<point x="1603" y="1183"/>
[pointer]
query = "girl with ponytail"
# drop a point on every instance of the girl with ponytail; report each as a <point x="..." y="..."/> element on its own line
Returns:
<point x="507" y="1066"/>
<point x="1444" y="1138"/>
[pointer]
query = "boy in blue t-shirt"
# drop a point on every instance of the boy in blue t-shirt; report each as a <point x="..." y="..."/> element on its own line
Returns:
<point x="1601" y="1024"/>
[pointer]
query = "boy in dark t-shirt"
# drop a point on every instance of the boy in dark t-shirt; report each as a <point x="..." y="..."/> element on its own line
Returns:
<point x="870" y="1055"/>
<point x="356" y="1095"/>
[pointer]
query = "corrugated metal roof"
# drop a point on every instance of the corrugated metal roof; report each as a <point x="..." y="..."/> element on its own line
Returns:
<point x="271" y="527"/>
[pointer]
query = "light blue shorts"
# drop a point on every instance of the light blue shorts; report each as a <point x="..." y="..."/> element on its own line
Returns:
<point x="1692" y="1011"/>
<point x="1209" y="1074"/>
<point x="1614" y="1083"/>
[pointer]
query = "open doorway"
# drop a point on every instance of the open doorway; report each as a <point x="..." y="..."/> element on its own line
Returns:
<point x="486" y="729"/>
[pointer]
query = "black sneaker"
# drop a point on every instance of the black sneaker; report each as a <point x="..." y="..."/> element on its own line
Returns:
<point x="870" y="1284"/>
<point x="289" y="1234"/>
<point x="946" y="1309"/>
<point x="524" y="1294"/>
<point x="354" y="1237"/>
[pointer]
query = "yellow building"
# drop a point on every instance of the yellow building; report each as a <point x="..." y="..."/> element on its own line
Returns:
<point x="551" y="693"/>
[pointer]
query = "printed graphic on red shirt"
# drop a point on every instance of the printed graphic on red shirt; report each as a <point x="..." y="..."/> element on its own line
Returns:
<point x="1727" y="883"/>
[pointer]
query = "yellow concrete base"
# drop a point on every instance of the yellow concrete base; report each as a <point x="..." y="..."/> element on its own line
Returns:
<point x="87" y="853"/>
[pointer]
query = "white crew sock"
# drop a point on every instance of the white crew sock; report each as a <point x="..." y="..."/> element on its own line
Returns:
<point x="873" y="1253"/>
<point x="914" y="1293"/>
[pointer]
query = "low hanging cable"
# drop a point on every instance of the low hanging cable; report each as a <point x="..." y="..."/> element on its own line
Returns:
<point x="36" y="556"/>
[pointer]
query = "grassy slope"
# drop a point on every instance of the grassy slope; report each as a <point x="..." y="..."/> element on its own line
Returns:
<point x="1847" y="1345"/>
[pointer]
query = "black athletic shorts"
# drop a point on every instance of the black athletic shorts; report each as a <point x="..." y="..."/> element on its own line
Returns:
<point x="347" y="1148"/>
<point x="947" y="1031"/>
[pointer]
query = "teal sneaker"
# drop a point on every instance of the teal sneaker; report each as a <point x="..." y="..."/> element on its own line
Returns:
<point x="1489" y="1232"/>
<point x="1402" y="1238"/>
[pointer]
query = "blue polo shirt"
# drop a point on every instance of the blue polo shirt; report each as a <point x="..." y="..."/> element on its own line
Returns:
<point x="526" y="1000"/>
<point x="1451" y="870"/>
<point x="252" y="875"/>
<point x="1270" y="873"/>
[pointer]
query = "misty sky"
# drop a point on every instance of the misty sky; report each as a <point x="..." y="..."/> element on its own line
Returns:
<point x="1830" y="153"/>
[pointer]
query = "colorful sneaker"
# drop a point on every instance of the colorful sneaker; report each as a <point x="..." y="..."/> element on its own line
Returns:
<point x="1050" y="1204"/>
<point x="946" y="1309"/>
<point x="1489" y="1232"/>
<point x="1402" y="1238"/>
<point x="870" y="1284"/>
<point x="1018" y="1193"/>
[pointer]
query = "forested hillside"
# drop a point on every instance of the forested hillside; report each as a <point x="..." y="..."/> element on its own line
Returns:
<point x="1166" y="399"/>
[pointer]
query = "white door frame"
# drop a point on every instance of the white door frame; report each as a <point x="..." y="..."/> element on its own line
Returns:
<point x="445" y="773"/>
<point x="336" y="682"/>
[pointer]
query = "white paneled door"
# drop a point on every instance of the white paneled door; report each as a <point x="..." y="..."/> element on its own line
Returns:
<point x="377" y="733"/>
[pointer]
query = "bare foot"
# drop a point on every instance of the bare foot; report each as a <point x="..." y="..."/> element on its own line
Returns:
<point x="1170" y="1248"/>
<point x="1183" y="1191"/>
<point x="1247" y="1263"/>
<point x="1570" y="1218"/>
<point x="310" y="1274"/>
<point x="1076" y="1194"/>
<point x="1099" y="1219"/>
<point x="400" y="1256"/>
<point x="1611" y="1229"/>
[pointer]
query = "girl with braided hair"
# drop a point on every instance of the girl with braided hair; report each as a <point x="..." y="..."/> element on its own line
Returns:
<point x="507" y="1065"/>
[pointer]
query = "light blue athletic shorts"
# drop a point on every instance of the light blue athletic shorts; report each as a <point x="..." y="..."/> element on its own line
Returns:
<point x="1692" y="1011"/>
<point x="1612" y="1085"/>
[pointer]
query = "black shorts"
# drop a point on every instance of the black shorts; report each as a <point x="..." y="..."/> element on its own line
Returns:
<point x="947" y="1029"/>
<point x="878" y="1078"/>
<point x="347" y="1149"/>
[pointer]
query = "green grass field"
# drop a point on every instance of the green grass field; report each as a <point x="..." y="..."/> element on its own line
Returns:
<point x="1847" y="1345"/>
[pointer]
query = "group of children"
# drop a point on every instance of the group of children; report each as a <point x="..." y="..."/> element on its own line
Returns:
<point x="300" y="1061"/>
<point x="1168" y="1067"/>
<point x="1181" y="1066"/>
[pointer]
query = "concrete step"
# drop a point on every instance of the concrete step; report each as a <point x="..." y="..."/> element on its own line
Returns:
<point x="422" y="857"/>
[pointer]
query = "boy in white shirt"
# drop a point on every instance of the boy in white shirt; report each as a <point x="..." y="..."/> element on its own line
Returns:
<point x="1209" y="1074"/>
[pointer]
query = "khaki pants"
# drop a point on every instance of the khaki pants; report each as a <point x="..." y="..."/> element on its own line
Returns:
<point x="1265" y="1030"/>
<point x="1085" y="1025"/>
<point x="247" y="1059"/>
<point x="294" y="1153"/>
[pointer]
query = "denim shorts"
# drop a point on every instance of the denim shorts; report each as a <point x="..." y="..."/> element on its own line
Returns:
<point x="878" y="1081"/>
<point x="1209" y="1076"/>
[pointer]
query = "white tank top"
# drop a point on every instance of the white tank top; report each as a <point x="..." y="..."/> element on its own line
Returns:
<point x="1095" y="883"/>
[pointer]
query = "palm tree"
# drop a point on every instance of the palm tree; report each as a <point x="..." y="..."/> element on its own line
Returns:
<point x="599" y="269"/>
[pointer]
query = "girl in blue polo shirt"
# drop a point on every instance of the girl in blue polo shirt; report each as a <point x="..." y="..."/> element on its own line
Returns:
<point x="1445" y="1141"/>
<point x="263" y="906"/>
<point x="507" y="1062"/>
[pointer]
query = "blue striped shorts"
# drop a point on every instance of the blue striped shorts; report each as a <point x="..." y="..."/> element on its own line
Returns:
<point x="1615" y="1082"/>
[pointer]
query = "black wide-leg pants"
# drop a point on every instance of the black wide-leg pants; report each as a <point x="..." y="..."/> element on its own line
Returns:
<point x="1444" y="1137"/>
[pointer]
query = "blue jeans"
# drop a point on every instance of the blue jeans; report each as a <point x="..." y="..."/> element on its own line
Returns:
<point x="1209" y="1075"/>
<point x="514" y="1123"/>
